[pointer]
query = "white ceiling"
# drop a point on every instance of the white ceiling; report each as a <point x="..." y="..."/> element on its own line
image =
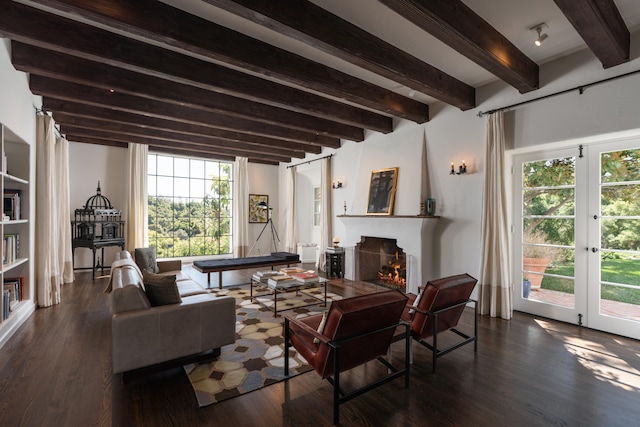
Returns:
<point x="512" y="18"/>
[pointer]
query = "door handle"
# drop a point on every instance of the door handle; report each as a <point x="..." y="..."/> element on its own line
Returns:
<point x="594" y="250"/>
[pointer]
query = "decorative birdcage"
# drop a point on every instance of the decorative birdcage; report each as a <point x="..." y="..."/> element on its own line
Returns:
<point x="97" y="225"/>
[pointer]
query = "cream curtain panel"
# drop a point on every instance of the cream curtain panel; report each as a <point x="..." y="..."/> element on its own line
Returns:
<point x="495" y="291"/>
<point x="53" y="263"/>
<point x="325" y="211"/>
<point x="65" y="255"/>
<point x="241" y="201"/>
<point x="136" y="235"/>
<point x="291" y="231"/>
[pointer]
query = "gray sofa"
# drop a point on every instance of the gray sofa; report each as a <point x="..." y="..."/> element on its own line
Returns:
<point x="143" y="335"/>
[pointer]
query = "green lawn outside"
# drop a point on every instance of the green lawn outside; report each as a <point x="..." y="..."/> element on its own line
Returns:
<point x="614" y="270"/>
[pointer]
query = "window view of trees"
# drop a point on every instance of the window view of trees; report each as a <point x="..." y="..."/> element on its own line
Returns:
<point x="190" y="206"/>
<point x="548" y="221"/>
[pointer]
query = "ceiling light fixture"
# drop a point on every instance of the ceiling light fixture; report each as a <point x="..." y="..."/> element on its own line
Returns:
<point x="541" y="37"/>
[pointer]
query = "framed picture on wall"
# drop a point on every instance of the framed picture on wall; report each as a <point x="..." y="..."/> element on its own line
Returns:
<point x="257" y="212"/>
<point x="382" y="191"/>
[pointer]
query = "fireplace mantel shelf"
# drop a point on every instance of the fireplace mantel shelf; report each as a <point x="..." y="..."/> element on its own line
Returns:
<point x="389" y="216"/>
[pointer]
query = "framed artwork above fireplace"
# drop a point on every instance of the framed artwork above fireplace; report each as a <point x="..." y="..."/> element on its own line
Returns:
<point x="382" y="191"/>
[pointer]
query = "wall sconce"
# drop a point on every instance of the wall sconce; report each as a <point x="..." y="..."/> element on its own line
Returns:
<point x="461" y="169"/>
<point x="337" y="184"/>
<point x="541" y="37"/>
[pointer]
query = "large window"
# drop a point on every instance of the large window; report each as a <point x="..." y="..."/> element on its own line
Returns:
<point x="190" y="206"/>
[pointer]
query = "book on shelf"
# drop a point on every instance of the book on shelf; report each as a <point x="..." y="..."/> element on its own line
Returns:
<point x="6" y="304"/>
<point x="291" y="270"/>
<point x="12" y="204"/>
<point x="306" y="276"/>
<point x="15" y="288"/>
<point x="10" y="248"/>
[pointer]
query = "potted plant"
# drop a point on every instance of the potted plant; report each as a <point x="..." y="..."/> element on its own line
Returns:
<point x="536" y="258"/>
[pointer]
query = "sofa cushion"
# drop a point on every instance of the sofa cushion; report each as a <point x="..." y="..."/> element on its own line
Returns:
<point x="129" y="298"/>
<point x="146" y="259"/>
<point x="161" y="289"/>
<point x="189" y="287"/>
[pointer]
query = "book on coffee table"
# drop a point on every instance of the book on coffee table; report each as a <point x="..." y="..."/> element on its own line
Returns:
<point x="263" y="276"/>
<point x="291" y="270"/>
<point x="278" y="280"/>
<point x="306" y="276"/>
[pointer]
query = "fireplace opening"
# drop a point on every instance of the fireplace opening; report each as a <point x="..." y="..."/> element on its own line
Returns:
<point x="379" y="260"/>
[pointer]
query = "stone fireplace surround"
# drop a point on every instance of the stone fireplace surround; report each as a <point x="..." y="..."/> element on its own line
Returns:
<point x="412" y="233"/>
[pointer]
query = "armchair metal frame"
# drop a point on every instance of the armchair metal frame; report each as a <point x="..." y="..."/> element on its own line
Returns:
<point x="340" y="396"/>
<point x="436" y="353"/>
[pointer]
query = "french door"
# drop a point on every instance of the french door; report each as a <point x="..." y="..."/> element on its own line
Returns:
<point x="577" y="235"/>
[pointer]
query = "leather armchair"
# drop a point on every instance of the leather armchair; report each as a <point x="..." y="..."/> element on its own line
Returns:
<point x="438" y="308"/>
<point x="356" y="330"/>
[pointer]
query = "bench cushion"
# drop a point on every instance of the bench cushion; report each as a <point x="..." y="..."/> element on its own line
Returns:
<point x="275" y="257"/>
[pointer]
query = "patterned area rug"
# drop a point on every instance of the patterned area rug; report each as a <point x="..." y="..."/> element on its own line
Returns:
<point x="256" y="359"/>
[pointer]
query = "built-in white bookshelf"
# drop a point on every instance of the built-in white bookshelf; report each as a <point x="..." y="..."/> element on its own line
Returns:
<point x="17" y="237"/>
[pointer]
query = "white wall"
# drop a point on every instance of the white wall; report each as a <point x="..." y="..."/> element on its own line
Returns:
<point x="17" y="106"/>
<point x="454" y="135"/>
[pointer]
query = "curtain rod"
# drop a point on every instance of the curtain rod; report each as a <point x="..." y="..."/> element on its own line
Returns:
<point x="580" y="88"/>
<point x="56" y="127"/>
<point x="309" y="161"/>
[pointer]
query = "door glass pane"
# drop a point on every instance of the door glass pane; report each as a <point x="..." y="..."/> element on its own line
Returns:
<point x="620" y="166"/>
<point x="620" y="234"/>
<point x="548" y="231"/>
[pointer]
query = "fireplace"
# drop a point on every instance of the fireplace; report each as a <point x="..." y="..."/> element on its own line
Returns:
<point x="414" y="234"/>
<point x="379" y="260"/>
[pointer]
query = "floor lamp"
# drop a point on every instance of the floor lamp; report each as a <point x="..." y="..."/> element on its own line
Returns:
<point x="274" y="234"/>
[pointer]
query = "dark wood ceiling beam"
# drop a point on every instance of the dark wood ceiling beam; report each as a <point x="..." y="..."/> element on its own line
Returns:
<point x="72" y="132"/>
<point x="118" y="101"/>
<point x="158" y="22"/>
<point x="81" y="115"/>
<point x="44" y="62"/>
<point x="162" y="150"/>
<point x="455" y="24"/>
<point x="38" y="28"/>
<point x="132" y="130"/>
<point x="601" y="26"/>
<point x="87" y="140"/>
<point x="335" y="36"/>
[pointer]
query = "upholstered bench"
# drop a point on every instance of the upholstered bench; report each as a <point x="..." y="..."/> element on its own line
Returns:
<point x="227" y="264"/>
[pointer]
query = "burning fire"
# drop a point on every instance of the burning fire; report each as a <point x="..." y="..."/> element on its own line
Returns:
<point x="394" y="273"/>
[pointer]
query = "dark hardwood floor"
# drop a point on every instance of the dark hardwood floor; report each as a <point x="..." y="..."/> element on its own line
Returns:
<point x="56" y="371"/>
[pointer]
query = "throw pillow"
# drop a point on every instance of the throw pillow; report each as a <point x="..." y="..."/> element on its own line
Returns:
<point x="160" y="289"/>
<point x="321" y="326"/>
<point x="146" y="259"/>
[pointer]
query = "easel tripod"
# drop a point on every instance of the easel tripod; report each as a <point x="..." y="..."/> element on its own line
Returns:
<point x="274" y="234"/>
